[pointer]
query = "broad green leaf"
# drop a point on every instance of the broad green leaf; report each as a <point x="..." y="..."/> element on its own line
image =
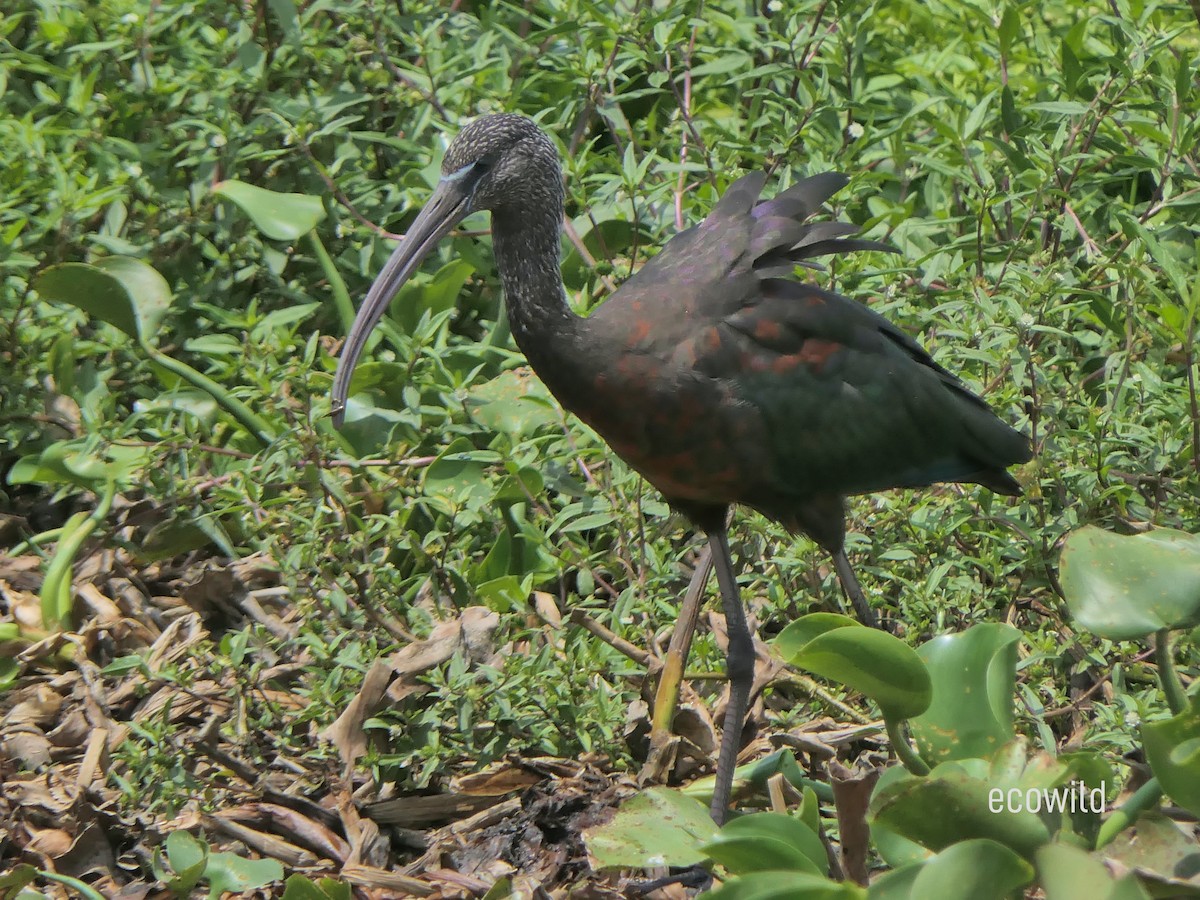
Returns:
<point x="798" y="633"/>
<point x="230" y="873"/>
<point x="460" y="474"/>
<point x="973" y="676"/>
<point x="148" y="291"/>
<point x="658" y="827"/>
<point x="785" y="885"/>
<point x="897" y="851"/>
<point x="948" y="806"/>
<point x="979" y="869"/>
<point x="115" y="294"/>
<point x="1173" y="751"/>
<point x="88" y="288"/>
<point x="896" y="884"/>
<point x="1165" y="856"/>
<point x="866" y="659"/>
<point x="187" y="857"/>
<point x="1069" y="873"/>
<point x="514" y="402"/>
<point x="281" y="217"/>
<point x="768" y="841"/>
<point x="299" y="887"/>
<point x="1122" y="587"/>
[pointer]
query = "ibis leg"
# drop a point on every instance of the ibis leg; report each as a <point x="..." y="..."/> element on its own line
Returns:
<point x="853" y="590"/>
<point x="740" y="669"/>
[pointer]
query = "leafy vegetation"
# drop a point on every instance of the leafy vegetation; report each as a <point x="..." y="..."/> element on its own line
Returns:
<point x="193" y="196"/>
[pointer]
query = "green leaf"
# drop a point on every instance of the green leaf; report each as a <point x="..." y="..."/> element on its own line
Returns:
<point x="973" y="677"/>
<point x="1123" y="587"/>
<point x="785" y="885"/>
<point x="88" y="288"/>
<point x="896" y="884"/>
<point x="1010" y="28"/>
<point x="281" y="217"/>
<point x="948" y="806"/>
<point x="978" y="869"/>
<point x="658" y="827"/>
<point x="514" y="402"/>
<point x="1069" y="873"/>
<point x="230" y="873"/>
<point x="299" y="887"/>
<point x="874" y="662"/>
<point x="897" y="851"/>
<point x="187" y="857"/>
<point x="768" y="841"/>
<point x="83" y="463"/>
<point x="437" y="294"/>
<point x="1173" y="750"/>
<point x="1166" y="858"/>
<point x="800" y="632"/>
<point x="147" y="290"/>
<point x="460" y="474"/>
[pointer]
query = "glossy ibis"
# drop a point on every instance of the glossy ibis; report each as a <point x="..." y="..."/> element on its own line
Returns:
<point x="711" y="372"/>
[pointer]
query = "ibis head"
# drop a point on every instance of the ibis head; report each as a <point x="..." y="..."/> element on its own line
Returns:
<point x="501" y="163"/>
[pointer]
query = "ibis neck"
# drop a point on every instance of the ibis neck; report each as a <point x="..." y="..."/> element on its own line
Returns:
<point x="527" y="252"/>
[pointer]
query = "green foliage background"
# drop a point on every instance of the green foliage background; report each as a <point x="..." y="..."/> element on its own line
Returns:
<point x="1036" y="165"/>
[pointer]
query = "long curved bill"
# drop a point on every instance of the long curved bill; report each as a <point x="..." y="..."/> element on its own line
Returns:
<point x="447" y="207"/>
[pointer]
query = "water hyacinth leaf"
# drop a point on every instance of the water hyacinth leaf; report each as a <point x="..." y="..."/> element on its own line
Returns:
<point x="460" y="474"/>
<point x="792" y="639"/>
<point x="768" y="841"/>
<point x="874" y="662"/>
<point x="974" y="677"/>
<point x="279" y="216"/>
<point x="950" y="805"/>
<point x="896" y="884"/>
<point x="785" y="885"/>
<point x="1173" y="751"/>
<point x="229" y="873"/>
<point x="897" y="851"/>
<point x="514" y="402"/>
<point x="1128" y="586"/>
<point x="979" y="869"/>
<point x="658" y="827"/>
<point x="1166" y="857"/>
<point x="298" y="887"/>
<point x="1069" y="873"/>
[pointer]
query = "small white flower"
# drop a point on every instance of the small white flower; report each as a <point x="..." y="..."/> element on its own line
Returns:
<point x="133" y="170"/>
<point x="131" y="18"/>
<point x="854" y="130"/>
<point x="1026" y="320"/>
<point x="775" y="6"/>
<point x="217" y="140"/>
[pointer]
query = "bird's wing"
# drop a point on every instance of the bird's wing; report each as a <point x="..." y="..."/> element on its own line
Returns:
<point x="848" y="402"/>
<point x="708" y="271"/>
